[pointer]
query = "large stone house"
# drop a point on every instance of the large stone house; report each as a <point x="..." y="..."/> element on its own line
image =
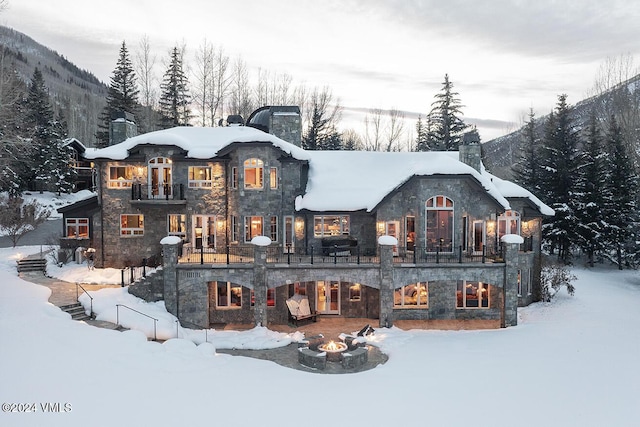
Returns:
<point x="323" y="211"/>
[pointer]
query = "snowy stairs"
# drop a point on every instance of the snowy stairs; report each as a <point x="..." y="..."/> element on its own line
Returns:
<point x="76" y="311"/>
<point x="32" y="264"/>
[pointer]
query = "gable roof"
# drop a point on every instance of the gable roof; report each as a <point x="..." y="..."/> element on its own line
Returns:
<point x="359" y="180"/>
<point x="198" y="142"/>
<point x="512" y="190"/>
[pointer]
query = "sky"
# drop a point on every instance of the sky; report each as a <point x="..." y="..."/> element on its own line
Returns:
<point x="503" y="57"/>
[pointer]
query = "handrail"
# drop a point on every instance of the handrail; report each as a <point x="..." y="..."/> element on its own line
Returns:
<point x="178" y="323"/>
<point x="155" y="321"/>
<point x="88" y="294"/>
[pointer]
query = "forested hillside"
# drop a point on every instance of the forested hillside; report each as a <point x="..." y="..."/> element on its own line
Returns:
<point x="76" y="94"/>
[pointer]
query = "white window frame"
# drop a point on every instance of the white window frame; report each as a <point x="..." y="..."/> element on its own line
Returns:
<point x="235" y="229"/>
<point x="519" y="283"/>
<point x="76" y="223"/>
<point x="273" y="178"/>
<point x="421" y="290"/>
<point x="132" y="231"/>
<point x="439" y="203"/>
<point x="230" y="290"/>
<point x="273" y="228"/>
<point x="181" y="222"/>
<point x="248" y="220"/>
<point x="506" y="222"/>
<point x="482" y="287"/>
<point x="257" y="166"/>
<point x="234" y="177"/>
<point x="327" y="221"/>
<point x="195" y="181"/>
<point x="355" y="292"/>
<point x="121" y="181"/>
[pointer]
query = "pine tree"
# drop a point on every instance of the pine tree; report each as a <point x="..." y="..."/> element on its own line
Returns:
<point x="446" y="127"/>
<point x="422" y="141"/>
<point x="527" y="169"/>
<point x="174" y="97"/>
<point x="561" y="162"/>
<point x="50" y="160"/>
<point x="592" y="183"/>
<point x="621" y="194"/>
<point x="122" y="95"/>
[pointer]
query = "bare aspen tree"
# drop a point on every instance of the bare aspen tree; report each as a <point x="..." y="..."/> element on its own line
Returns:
<point x="220" y="87"/>
<point x="144" y="64"/>
<point x="395" y="130"/>
<point x="203" y="76"/>
<point x="373" y="130"/>
<point x="240" y="102"/>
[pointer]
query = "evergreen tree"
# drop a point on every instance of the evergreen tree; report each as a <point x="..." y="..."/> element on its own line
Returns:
<point x="322" y="116"/>
<point x="121" y="96"/>
<point x="422" y="141"/>
<point x="446" y="126"/>
<point x="621" y="194"/>
<point x="561" y="162"/>
<point x="50" y="160"/>
<point x="592" y="182"/>
<point x="174" y="97"/>
<point x="526" y="170"/>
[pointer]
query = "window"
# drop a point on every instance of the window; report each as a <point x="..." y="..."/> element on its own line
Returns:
<point x="529" y="281"/>
<point x="299" y="288"/>
<point x="77" y="228"/>
<point x="508" y="223"/>
<point x="131" y="225"/>
<point x="519" y="283"/>
<point x="287" y="237"/>
<point x="120" y="176"/>
<point x="228" y="295"/>
<point x="330" y="225"/>
<point x="234" y="177"/>
<point x="274" y="229"/>
<point x="200" y="177"/>
<point x="271" y="298"/>
<point x="355" y="292"/>
<point x="472" y="295"/>
<point x="273" y="178"/>
<point x="253" y="173"/>
<point x="439" y="224"/>
<point x="252" y="227"/>
<point x="415" y="295"/>
<point x="410" y="227"/>
<point x="177" y="225"/>
<point x="235" y="228"/>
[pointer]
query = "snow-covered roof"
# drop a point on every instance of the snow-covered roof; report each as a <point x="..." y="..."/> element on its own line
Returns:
<point x="512" y="190"/>
<point x="198" y="142"/>
<point x="355" y="180"/>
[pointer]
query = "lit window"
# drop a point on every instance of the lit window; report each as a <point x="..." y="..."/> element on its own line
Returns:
<point x="299" y="288"/>
<point x="253" y="173"/>
<point x="273" y="178"/>
<point x="439" y="224"/>
<point x="330" y="225"/>
<point x="77" y="228"/>
<point x="508" y="223"/>
<point x="120" y="176"/>
<point x="200" y="177"/>
<point x="472" y="295"/>
<point x="177" y="225"/>
<point x="355" y="292"/>
<point x="235" y="228"/>
<point x="274" y="229"/>
<point x="415" y="295"/>
<point x="252" y="227"/>
<point x="271" y="298"/>
<point x="228" y="295"/>
<point x="131" y="225"/>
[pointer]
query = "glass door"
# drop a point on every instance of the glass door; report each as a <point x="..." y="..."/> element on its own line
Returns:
<point x="204" y="231"/>
<point x="160" y="178"/>
<point x="478" y="237"/>
<point x="392" y="229"/>
<point x="328" y="297"/>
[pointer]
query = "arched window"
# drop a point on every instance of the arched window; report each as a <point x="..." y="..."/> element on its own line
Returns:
<point x="508" y="223"/>
<point x="439" y="234"/>
<point x="253" y="173"/>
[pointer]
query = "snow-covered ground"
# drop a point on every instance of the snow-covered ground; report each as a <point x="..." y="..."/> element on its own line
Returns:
<point x="572" y="362"/>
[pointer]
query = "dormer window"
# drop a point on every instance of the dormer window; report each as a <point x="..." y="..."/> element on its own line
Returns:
<point x="253" y="173"/>
<point x="509" y="223"/>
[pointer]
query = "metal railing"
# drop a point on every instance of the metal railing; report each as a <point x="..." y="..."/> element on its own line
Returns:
<point x="132" y="274"/>
<point x="164" y="192"/>
<point x="155" y="321"/>
<point x="224" y="255"/>
<point x="180" y="322"/>
<point x="78" y="285"/>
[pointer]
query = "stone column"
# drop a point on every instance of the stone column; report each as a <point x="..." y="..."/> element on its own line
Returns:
<point x="169" y="264"/>
<point x="510" y="291"/>
<point x="386" y="284"/>
<point x="260" y="285"/>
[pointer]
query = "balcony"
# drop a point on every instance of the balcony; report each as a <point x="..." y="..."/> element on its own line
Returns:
<point x="159" y="195"/>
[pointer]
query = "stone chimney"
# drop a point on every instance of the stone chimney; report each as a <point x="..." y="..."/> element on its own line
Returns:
<point x="122" y="126"/>
<point x="284" y="122"/>
<point x="470" y="151"/>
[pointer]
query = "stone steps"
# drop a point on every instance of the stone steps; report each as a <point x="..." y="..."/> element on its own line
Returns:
<point x="76" y="311"/>
<point x="32" y="264"/>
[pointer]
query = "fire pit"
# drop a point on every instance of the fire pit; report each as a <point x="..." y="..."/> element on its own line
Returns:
<point x="333" y="350"/>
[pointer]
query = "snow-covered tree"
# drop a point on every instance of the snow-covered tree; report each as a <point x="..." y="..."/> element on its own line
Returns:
<point x="526" y="170"/>
<point x="445" y="125"/>
<point x="122" y="94"/>
<point x="174" y="97"/>
<point x="422" y="141"/>
<point x="322" y="116"/>
<point x="561" y="162"/>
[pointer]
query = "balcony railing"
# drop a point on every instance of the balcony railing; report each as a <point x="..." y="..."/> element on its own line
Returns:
<point x="163" y="192"/>
<point x="328" y="256"/>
